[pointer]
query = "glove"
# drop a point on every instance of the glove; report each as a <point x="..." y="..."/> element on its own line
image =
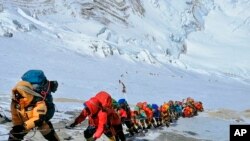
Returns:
<point x="71" y="126"/>
<point x="18" y="128"/>
<point x="123" y="119"/>
<point x="91" y="138"/>
<point x="17" y="132"/>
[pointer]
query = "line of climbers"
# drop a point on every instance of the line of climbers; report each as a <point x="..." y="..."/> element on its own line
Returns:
<point x="106" y="115"/>
<point x="32" y="106"/>
<point x="145" y="115"/>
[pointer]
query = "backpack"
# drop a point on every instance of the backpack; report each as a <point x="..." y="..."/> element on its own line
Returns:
<point x="42" y="86"/>
<point x="34" y="77"/>
<point x="105" y="99"/>
<point x="106" y="103"/>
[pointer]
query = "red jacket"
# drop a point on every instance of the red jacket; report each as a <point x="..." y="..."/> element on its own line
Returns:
<point x="106" y="102"/>
<point x="198" y="106"/>
<point x="122" y="113"/>
<point x="97" y="117"/>
<point x="113" y="117"/>
<point x="187" y="111"/>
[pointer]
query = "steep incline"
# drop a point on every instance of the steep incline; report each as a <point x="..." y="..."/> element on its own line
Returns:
<point x="155" y="32"/>
<point x="152" y="31"/>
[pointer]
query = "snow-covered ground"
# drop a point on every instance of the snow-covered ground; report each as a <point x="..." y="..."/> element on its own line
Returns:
<point x="223" y="45"/>
<point x="161" y="50"/>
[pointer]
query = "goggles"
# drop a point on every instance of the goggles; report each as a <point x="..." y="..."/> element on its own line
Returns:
<point x="18" y="96"/>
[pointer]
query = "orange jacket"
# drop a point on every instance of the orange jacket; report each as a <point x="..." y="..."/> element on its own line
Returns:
<point x="164" y="111"/>
<point x="187" y="111"/>
<point x="148" y="112"/>
<point x="164" y="107"/>
<point x="22" y="111"/>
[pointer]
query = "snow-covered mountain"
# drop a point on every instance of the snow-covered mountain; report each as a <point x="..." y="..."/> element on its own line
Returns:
<point x="149" y="31"/>
<point x="153" y="31"/>
<point x="160" y="49"/>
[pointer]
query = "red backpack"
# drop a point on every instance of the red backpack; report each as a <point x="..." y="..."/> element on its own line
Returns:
<point x="105" y="99"/>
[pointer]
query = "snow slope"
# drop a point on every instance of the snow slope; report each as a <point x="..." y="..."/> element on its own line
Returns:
<point x="161" y="50"/>
<point x="223" y="45"/>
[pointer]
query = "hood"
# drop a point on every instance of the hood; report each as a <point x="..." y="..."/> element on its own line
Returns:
<point x="27" y="97"/>
<point x="94" y="105"/>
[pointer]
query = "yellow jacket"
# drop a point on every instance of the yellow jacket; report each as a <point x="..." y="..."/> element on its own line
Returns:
<point x="26" y="110"/>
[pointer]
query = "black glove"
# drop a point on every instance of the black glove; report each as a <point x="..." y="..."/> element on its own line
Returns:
<point x="89" y="132"/>
<point x="17" y="132"/>
<point x="71" y="126"/>
<point x="18" y="128"/>
<point x="123" y="119"/>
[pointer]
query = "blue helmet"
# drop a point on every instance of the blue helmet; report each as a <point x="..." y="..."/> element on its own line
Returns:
<point x="122" y="101"/>
<point x="155" y="106"/>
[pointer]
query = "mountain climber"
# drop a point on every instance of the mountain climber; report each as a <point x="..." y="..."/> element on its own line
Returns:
<point x="178" y="108"/>
<point x="165" y="115"/>
<point x="149" y="114"/>
<point x="44" y="87"/>
<point x="156" y="115"/>
<point x="199" y="106"/>
<point x="140" y="116"/>
<point x="114" y="123"/>
<point x="102" y="118"/>
<point x="172" y="111"/>
<point x="97" y="120"/>
<point x="187" y="111"/>
<point x="135" y="120"/>
<point x="125" y="114"/>
<point x="29" y="110"/>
